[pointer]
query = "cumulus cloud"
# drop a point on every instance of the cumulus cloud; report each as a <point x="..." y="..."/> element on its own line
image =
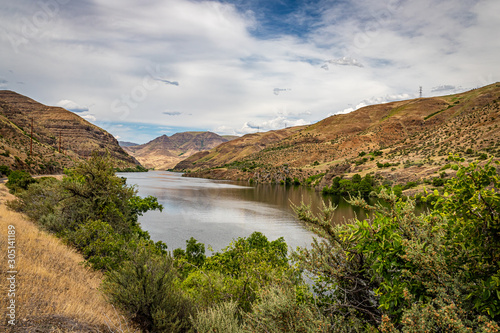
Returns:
<point x="272" y="124"/>
<point x="89" y="117"/>
<point x="72" y="106"/>
<point x="373" y="101"/>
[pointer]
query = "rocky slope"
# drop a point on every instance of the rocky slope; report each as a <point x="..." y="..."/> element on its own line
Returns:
<point x="60" y="137"/>
<point x="408" y="141"/>
<point x="165" y="152"/>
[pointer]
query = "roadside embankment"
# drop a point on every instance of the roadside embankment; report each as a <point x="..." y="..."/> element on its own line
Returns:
<point x="43" y="285"/>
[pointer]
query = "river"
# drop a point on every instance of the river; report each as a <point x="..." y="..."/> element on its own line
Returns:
<point x="216" y="212"/>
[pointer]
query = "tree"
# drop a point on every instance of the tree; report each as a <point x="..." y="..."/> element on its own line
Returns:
<point x="96" y="193"/>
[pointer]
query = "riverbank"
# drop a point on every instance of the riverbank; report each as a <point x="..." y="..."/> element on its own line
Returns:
<point x="52" y="290"/>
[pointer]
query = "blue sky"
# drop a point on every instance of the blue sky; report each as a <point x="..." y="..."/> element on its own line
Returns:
<point x="141" y="69"/>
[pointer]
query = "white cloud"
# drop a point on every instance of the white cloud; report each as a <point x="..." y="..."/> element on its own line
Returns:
<point x="344" y="61"/>
<point x="375" y="100"/>
<point x="129" y="60"/>
<point x="72" y="106"/>
<point x="89" y="117"/>
<point x="272" y="124"/>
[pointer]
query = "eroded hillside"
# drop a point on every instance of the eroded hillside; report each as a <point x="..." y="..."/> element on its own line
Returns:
<point x="60" y="137"/>
<point x="402" y="141"/>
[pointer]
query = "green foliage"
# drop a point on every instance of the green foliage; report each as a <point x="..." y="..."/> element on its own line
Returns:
<point x="238" y="272"/>
<point x="470" y="208"/>
<point x="144" y="287"/>
<point x="437" y="181"/>
<point x="5" y="170"/>
<point x="19" y="180"/>
<point x="279" y="310"/>
<point x="221" y="318"/>
<point x="311" y="179"/>
<point x="386" y="165"/>
<point x="39" y="200"/>
<point x="194" y="254"/>
<point x="103" y="248"/>
<point x="399" y="271"/>
<point x="354" y="186"/>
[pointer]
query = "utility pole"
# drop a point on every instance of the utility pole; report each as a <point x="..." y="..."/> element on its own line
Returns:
<point x="31" y="142"/>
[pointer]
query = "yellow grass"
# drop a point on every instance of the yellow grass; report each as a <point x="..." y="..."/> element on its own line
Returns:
<point x="54" y="291"/>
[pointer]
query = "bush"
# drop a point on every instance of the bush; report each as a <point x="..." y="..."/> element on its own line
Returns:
<point x="437" y="181"/>
<point x="19" y="180"/>
<point x="145" y="289"/>
<point x="221" y="318"/>
<point x="279" y="310"/>
<point x="238" y="272"/>
<point x="39" y="200"/>
<point x="402" y="272"/>
<point x="5" y="170"/>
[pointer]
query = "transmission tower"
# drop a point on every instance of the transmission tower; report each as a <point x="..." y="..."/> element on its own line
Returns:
<point x="420" y="90"/>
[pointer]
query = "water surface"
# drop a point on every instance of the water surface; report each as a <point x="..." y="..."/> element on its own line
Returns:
<point x="216" y="212"/>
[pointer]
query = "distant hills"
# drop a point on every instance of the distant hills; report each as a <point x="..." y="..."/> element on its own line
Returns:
<point x="165" y="152"/>
<point x="127" y="144"/>
<point x="400" y="141"/>
<point x="60" y="137"/>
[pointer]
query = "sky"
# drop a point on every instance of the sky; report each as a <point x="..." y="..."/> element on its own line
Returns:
<point x="141" y="69"/>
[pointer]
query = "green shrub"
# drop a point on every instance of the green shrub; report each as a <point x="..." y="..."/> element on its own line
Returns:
<point x="19" y="180"/>
<point x="279" y="310"/>
<point x="405" y="272"/>
<point x="5" y="170"/>
<point x="144" y="288"/>
<point x="437" y="181"/>
<point x="39" y="200"/>
<point x="220" y="318"/>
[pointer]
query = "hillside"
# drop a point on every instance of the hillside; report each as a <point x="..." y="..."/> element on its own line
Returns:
<point x="414" y="138"/>
<point x="165" y="152"/>
<point x="60" y="137"/>
<point x="55" y="292"/>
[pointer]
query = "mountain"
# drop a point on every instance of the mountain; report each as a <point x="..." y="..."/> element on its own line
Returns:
<point x="165" y="152"/>
<point x="60" y="137"/>
<point x="408" y="141"/>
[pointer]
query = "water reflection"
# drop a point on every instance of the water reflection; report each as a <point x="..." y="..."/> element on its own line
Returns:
<point x="215" y="212"/>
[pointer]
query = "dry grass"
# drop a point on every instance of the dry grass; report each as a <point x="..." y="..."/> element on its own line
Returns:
<point x="54" y="292"/>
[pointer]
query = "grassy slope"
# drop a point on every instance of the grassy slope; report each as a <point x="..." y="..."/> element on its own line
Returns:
<point x="55" y="293"/>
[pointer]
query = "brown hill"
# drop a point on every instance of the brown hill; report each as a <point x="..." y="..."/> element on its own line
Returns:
<point x="53" y="127"/>
<point x="414" y="138"/>
<point x="236" y="149"/>
<point x="165" y="152"/>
